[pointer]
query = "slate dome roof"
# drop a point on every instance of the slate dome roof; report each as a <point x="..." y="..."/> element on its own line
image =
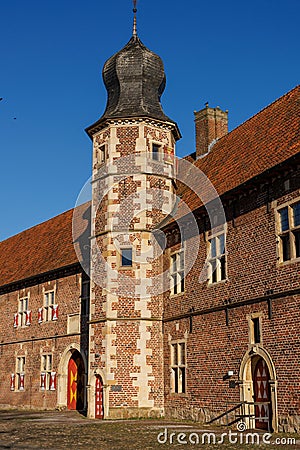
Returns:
<point x="135" y="80"/>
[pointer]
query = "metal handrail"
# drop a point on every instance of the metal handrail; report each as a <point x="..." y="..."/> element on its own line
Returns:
<point x="242" y="407"/>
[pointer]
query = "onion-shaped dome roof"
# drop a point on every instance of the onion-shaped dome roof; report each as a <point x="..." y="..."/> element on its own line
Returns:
<point x="135" y="80"/>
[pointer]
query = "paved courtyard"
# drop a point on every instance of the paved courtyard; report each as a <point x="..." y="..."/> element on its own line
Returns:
<point x="69" y="430"/>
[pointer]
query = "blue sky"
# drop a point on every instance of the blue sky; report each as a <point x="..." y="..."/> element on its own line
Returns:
<point x="240" y="56"/>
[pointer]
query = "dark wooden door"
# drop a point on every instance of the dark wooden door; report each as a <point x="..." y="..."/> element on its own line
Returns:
<point x="261" y="378"/>
<point x="99" y="398"/>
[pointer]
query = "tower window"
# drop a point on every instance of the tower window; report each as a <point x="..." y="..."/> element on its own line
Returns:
<point x="126" y="257"/>
<point x="156" y="151"/>
<point x="102" y="154"/>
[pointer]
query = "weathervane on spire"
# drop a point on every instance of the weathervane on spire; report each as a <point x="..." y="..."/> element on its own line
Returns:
<point x="134" y="33"/>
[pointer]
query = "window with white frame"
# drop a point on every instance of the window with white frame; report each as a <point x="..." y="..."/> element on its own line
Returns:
<point x="178" y="367"/>
<point x="217" y="258"/>
<point x="289" y="231"/>
<point x="20" y="373"/>
<point x="177" y="272"/>
<point x="22" y="311"/>
<point x="46" y="369"/>
<point x="50" y="307"/>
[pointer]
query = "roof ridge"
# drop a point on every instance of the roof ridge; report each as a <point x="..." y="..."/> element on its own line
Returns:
<point x="37" y="225"/>
<point x="263" y="109"/>
<point x="189" y="155"/>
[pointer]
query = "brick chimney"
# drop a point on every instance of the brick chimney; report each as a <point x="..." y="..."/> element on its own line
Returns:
<point x="211" y="124"/>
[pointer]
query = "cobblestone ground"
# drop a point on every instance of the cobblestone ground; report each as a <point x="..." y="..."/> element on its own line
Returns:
<point x="69" y="430"/>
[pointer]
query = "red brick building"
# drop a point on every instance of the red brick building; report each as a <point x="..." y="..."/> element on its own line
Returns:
<point x="192" y="309"/>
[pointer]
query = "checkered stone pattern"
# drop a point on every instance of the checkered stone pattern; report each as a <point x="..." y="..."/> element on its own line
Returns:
<point x="132" y="193"/>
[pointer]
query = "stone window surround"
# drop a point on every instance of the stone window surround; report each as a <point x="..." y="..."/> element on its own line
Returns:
<point x="209" y="235"/>
<point x="119" y="257"/>
<point x="47" y="309"/>
<point x="172" y="273"/>
<point x="22" y="312"/>
<point x="177" y="366"/>
<point x="160" y="152"/>
<point x="48" y="369"/>
<point x="101" y="154"/>
<point x="250" y="317"/>
<point x="20" y="371"/>
<point x="289" y="232"/>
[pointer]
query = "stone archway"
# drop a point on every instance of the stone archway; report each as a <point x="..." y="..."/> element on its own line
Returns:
<point x="95" y="376"/>
<point x="62" y="375"/>
<point x="246" y="377"/>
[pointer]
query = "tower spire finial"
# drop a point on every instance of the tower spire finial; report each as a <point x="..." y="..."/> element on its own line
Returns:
<point x="134" y="32"/>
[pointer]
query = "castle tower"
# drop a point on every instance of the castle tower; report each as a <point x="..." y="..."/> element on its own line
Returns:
<point x="133" y="193"/>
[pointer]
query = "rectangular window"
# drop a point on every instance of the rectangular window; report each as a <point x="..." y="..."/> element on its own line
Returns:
<point x="85" y="296"/>
<point x="23" y="308"/>
<point x="217" y="258"/>
<point x="102" y="154"/>
<point x="177" y="272"/>
<point x="126" y="257"/>
<point x="49" y="306"/>
<point x="46" y="369"/>
<point x="156" y="152"/>
<point x="289" y="232"/>
<point x="178" y="368"/>
<point x="20" y="372"/>
<point x="256" y="330"/>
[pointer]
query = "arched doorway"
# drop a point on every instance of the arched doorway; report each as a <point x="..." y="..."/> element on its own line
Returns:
<point x="262" y="394"/>
<point x="76" y="378"/>
<point x="258" y="389"/>
<point x="99" y="412"/>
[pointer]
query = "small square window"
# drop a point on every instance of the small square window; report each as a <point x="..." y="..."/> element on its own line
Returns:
<point x="126" y="257"/>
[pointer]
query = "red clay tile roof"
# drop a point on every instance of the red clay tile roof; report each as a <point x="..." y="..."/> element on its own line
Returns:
<point x="40" y="249"/>
<point x="262" y="142"/>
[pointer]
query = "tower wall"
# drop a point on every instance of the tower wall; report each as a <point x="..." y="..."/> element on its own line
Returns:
<point x="132" y="194"/>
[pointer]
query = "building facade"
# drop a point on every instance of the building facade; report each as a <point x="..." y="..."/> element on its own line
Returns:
<point x="175" y="292"/>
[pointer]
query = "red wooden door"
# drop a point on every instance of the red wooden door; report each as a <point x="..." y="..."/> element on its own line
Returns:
<point x="99" y="398"/>
<point x="75" y="390"/>
<point x="261" y="379"/>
